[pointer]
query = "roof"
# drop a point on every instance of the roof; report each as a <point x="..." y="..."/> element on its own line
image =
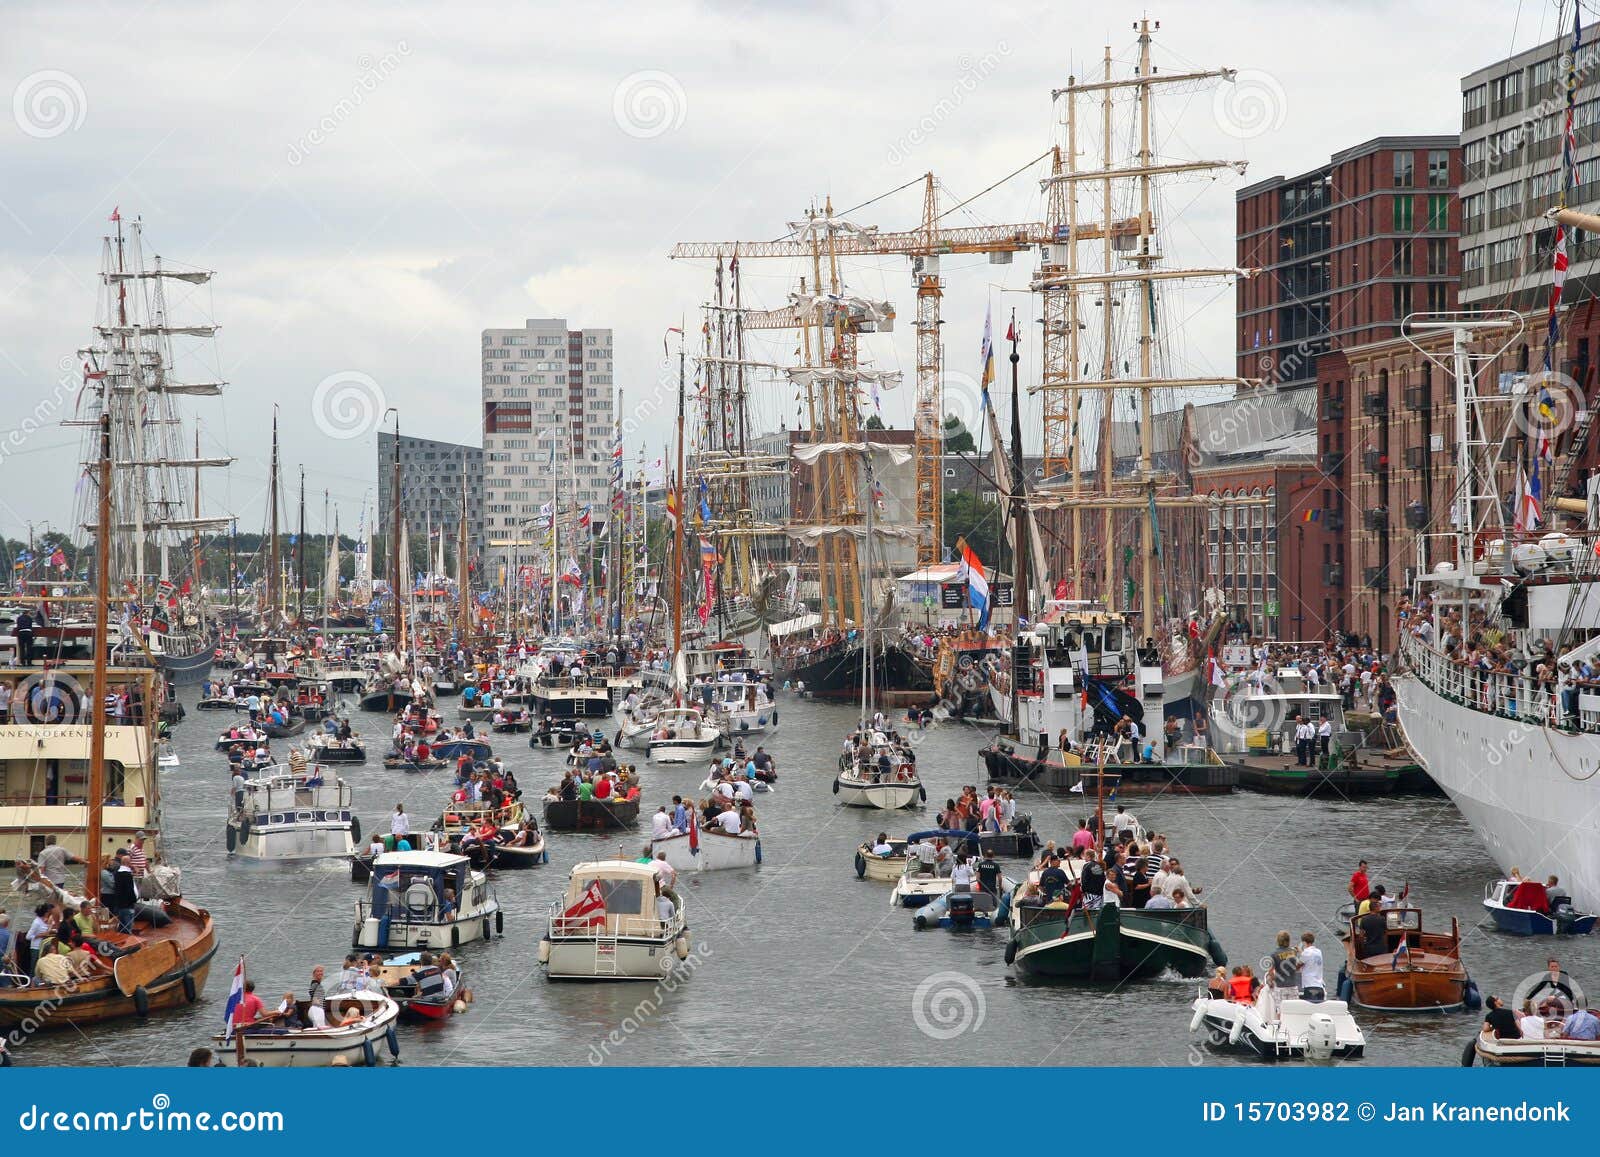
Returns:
<point x="420" y="859"/>
<point x="616" y="868"/>
<point x="790" y="626"/>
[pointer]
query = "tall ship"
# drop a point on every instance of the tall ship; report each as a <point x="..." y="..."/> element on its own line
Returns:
<point x="142" y="367"/>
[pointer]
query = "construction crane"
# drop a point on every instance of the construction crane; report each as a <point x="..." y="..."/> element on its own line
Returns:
<point x="924" y="245"/>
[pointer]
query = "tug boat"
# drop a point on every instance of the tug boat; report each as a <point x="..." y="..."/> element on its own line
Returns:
<point x="609" y="927"/>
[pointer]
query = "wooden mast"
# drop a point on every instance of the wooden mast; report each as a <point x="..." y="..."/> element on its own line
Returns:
<point x="97" y="693"/>
<point x="463" y="575"/>
<point x="394" y="545"/>
<point x="677" y="537"/>
<point x="300" y="557"/>
<point x="273" y="577"/>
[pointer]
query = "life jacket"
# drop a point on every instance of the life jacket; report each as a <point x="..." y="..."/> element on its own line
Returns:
<point x="1239" y="989"/>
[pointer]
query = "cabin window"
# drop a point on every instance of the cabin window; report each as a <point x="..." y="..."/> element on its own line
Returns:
<point x="1113" y="638"/>
<point x="623" y="896"/>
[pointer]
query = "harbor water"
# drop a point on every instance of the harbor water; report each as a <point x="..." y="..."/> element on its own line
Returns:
<point x="798" y="962"/>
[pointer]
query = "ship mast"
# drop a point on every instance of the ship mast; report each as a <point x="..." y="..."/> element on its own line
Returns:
<point x="102" y="643"/>
<point x="677" y="541"/>
<point x="300" y="557"/>
<point x="274" y="578"/>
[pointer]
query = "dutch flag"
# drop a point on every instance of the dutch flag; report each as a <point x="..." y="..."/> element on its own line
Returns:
<point x="977" y="584"/>
<point x="235" y="995"/>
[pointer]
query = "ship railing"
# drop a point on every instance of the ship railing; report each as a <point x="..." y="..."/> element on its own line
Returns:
<point x="1514" y="696"/>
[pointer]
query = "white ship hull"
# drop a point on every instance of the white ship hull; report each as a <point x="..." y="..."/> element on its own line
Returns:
<point x="608" y="959"/>
<point x="889" y="796"/>
<point x="1522" y="787"/>
<point x="683" y="750"/>
<point x="718" y="850"/>
<point x="290" y="842"/>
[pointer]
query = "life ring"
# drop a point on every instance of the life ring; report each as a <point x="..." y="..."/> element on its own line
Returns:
<point x="190" y="992"/>
<point x="369" y="1055"/>
<point x="392" y="1039"/>
<point x="141" y="1001"/>
<point x="455" y="936"/>
<point x="355" y="829"/>
<point x="1197" y="1020"/>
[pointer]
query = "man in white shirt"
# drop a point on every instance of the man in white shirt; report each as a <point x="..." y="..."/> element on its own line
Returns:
<point x="666" y="874"/>
<point x="1324" y="737"/>
<point x="661" y="824"/>
<point x="1304" y="739"/>
<point x="927" y="856"/>
<point x="744" y="792"/>
<point x="1312" y="985"/>
<point x="728" y="821"/>
<point x="1531" y="1024"/>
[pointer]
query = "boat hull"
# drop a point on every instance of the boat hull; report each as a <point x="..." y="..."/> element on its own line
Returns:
<point x="891" y="795"/>
<point x="1014" y="769"/>
<point x="589" y="815"/>
<point x="288" y="842"/>
<point x="837" y="674"/>
<point x="682" y="750"/>
<point x="581" y="958"/>
<point x="718" y="851"/>
<point x="404" y="934"/>
<point x="187" y="670"/>
<point x="1523" y="922"/>
<point x="1114" y="945"/>
<point x="385" y="702"/>
<point x="1524" y="789"/>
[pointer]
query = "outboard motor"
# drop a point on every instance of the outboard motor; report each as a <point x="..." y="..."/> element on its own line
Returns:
<point x="1322" y="1039"/>
<point x="1562" y="912"/>
<point x="960" y="907"/>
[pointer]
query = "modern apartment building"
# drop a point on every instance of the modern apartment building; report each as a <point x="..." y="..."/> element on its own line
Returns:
<point x="548" y="397"/>
<point x="430" y="488"/>
<point x="1512" y="114"/>
<point x="1346" y="251"/>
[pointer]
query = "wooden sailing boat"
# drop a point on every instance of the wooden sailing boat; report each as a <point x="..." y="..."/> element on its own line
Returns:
<point x="149" y="968"/>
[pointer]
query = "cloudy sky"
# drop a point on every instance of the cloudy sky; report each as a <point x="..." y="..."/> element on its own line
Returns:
<point x="374" y="184"/>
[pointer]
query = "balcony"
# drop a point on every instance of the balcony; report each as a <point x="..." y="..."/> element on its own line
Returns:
<point x="1373" y="578"/>
<point x="1376" y="519"/>
<point x="1333" y="410"/>
<point x="1416" y="398"/>
<point x="1332" y="463"/>
<point x="1374" y="405"/>
<point x="1416" y="516"/>
<point x="1375" y="460"/>
<point x="1416" y="457"/>
<point x="1332" y="575"/>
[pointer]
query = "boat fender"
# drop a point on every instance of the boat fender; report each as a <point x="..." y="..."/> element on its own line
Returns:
<point x="919" y="922"/>
<point x="1214" y="950"/>
<point x="1011" y="951"/>
<point x="233" y="838"/>
<point x="455" y="936"/>
<point x="1197" y="1020"/>
<point x="1469" y="1054"/>
<point x="189" y="990"/>
<point x="1474" y="997"/>
<point x="500" y="922"/>
<point x="1345" y="988"/>
<point x="861" y="866"/>
<point x="681" y="947"/>
<point x="835" y="787"/>
<point x="488" y="929"/>
<point x="355" y="829"/>
<point x="244" y="829"/>
<point x="392" y="1039"/>
<point x="758" y="851"/>
<point x="544" y="950"/>
<point x="1236" y="1031"/>
<point x="141" y="1001"/>
<point x="369" y="1055"/>
<point x="544" y="857"/>
<point x="924" y="793"/>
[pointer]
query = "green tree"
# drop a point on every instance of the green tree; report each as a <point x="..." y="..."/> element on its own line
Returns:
<point x="977" y="522"/>
<point x="874" y="422"/>
<point x="957" y="438"/>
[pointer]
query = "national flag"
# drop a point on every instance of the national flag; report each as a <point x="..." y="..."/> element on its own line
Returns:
<point x="235" y="995"/>
<point x="708" y="551"/>
<point x="1214" y="670"/>
<point x="705" y="502"/>
<point x="585" y="517"/>
<point x="977" y="583"/>
<point x="116" y="213"/>
<point x="1529" y="505"/>
<point x="1402" y="951"/>
<point x="877" y="495"/>
<point x="591" y="904"/>
<point x="1011" y="330"/>
<point x="672" y="508"/>
<point x="573" y="573"/>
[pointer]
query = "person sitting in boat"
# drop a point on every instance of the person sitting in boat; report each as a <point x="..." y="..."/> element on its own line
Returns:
<point x="1243" y="986"/>
<point x="1217" y="986"/>
<point x="1499" y="1021"/>
<point x="881" y="846"/>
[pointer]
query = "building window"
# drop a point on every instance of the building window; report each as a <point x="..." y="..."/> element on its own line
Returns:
<point x="1438" y="211"/>
<point x="1404" y="170"/>
<point x="1438" y="297"/>
<point x="1402" y="215"/>
<point x="1439" y="256"/>
<point x="1438" y="168"/>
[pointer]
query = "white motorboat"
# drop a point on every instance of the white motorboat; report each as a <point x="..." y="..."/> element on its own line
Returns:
<point x="884" y="869"/>
<point x="709" y="850"/>
<point x="1274" y="1028"/>
<point x="287" y="816"/>
<point x="681" y="735"/>
<point x="357" y="1024"/>
<point x="611" y="926"/>
<point x="425" y="900"/>
<point x="917" y="886"/>
<point x="885" y="778"/>
<point x="742" y="706"/>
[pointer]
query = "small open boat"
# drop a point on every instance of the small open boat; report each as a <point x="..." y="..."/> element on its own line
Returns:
<point x="885" y="869"/>
<point x="709" y="849"/>
<point x="324" y="748"/>
<point x="1528" y="908"/>
<point x="1110" y="943"/>
<point x="288" y="729"/>
<point x="1407" y="969"/>
<point x="420" y="988"/>
<point x="1276" y="1029"/>
<point x="358" y="1022"/>
<point x="395" y="762"/>
<point x="589" y="815"/>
